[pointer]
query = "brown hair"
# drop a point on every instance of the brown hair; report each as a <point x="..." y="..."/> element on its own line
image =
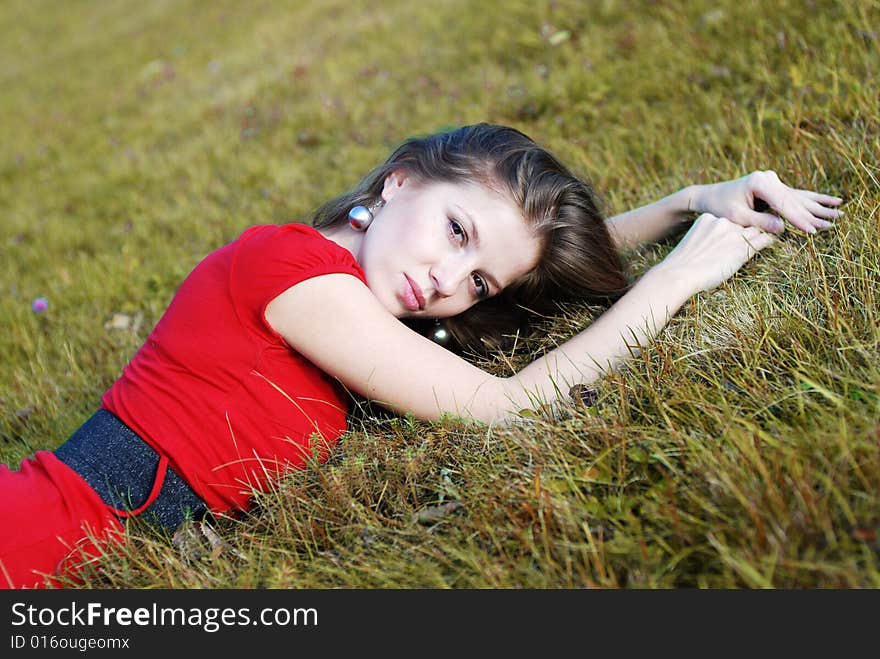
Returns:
<point x="578" y="260"/>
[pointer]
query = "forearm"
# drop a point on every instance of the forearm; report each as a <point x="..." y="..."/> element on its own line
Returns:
<point x="630" y="323"/>
<point x="654" y="221"/>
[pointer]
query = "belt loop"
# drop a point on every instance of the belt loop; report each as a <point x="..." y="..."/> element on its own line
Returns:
<point x="157" y="487"/>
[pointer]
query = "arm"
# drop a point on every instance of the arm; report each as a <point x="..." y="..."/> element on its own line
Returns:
<point x="652" y="222"/>
<point x="758" y="199"/>
<point x="336" y="322"/>
<point x="631" y="322"/>
<point x="387" y="362"/>
<point x="712" y="251"/>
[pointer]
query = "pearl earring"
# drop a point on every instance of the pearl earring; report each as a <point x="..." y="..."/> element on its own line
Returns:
<point x="439" y="334"/>
<point x="360" y="217"/>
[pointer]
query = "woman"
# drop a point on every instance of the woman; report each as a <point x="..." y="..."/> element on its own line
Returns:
<point x="246" y="373"/>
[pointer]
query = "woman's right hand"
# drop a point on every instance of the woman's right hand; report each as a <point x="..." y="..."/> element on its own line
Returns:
<point x="713" y="249"/>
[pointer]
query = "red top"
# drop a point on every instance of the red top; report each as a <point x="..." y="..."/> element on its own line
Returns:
<point x="216" y="389"/>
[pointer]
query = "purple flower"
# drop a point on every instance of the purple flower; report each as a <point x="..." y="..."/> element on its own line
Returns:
<point x="40" y="304"/>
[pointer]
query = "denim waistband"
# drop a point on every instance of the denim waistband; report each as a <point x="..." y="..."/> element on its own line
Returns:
<point x="127" y="473"/>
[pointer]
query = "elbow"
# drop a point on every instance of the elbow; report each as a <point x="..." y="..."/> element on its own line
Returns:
<point x="501" y="404"/>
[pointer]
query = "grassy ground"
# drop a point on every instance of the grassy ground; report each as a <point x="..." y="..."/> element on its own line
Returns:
<point x="741" y="450"/>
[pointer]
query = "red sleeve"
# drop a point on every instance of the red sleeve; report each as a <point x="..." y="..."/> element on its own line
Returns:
<point x="269" y="259"/>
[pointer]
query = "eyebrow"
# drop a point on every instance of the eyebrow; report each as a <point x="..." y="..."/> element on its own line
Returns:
<point x="476" y="231"/>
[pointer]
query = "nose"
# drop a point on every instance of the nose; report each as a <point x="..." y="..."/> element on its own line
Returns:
<point x="448" y="275"/>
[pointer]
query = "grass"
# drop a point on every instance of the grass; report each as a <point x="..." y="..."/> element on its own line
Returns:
<point x="741" y="450"/>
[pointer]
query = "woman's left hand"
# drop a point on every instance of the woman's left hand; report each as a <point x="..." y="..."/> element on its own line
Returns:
<point x="761" y="200"/>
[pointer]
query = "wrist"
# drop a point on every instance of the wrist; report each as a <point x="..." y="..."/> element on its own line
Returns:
<point x="673" y="279"/>
<point x="692" y="199"/>
<point x="682" y="205"/>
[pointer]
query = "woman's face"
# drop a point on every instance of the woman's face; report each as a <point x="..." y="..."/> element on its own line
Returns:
<point x="435" y="249"/>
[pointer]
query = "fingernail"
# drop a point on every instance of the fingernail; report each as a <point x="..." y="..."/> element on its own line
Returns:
<point x="811" y="230"/>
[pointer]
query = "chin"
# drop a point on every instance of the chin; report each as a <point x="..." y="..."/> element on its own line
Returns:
<point x="397" y="310"/>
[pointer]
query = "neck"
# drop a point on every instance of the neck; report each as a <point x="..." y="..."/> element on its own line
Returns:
<point x="344" y="235"/>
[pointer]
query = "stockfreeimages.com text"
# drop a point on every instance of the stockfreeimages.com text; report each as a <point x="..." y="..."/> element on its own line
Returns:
<point x="94" y="614"/>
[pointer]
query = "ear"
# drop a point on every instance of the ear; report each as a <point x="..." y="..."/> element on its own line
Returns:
<point x="393" y="184"/>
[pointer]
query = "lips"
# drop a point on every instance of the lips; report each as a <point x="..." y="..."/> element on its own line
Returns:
<point x="413" y="295"/>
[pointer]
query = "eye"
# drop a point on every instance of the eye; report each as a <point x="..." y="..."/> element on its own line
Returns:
<point x="482" y="286"/>
<point x="460" y="235"/>
<point x="457" y="231"/>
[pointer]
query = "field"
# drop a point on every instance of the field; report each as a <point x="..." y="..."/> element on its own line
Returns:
<point x="741" y="450"/>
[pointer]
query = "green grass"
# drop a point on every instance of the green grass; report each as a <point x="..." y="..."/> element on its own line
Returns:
<point x="742" y="449"/>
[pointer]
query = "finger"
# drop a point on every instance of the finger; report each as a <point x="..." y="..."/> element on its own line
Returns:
<point x="752" y="232"/>
<point x="779" y="197"/>
<point x="823" y="211"/>
<point x="822" y="225"/>
<point x="764" y="240"/>
<point x="825" y="199"/>
<point x="785" y="201"/>
<point x="766" y="221"/>
<point x="821" y="216"/>
<point x="759" y="242"/>
<point x="795" y="212"/>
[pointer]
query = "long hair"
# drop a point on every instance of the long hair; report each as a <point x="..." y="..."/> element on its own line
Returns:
<point x="578" y="260"/>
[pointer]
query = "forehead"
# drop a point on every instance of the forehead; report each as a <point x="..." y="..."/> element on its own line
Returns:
<point x="505" y="246"/>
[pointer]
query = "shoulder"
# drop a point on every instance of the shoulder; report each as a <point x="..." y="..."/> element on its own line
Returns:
<point x="291" y="248"/>
<point x="279" y="236"/>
